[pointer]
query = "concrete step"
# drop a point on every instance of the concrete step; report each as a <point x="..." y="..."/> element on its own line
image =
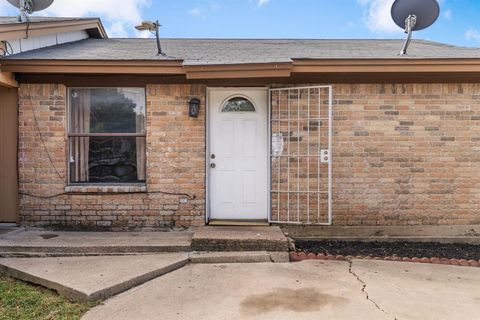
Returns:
<point x="235" y="238"/>
<point x="92" y="278"/>
<point x="51" y="243"/>
<point x="239" y="257"/>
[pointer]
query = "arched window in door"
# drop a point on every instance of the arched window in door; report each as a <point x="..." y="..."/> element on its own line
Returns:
<point x="238" y="104"/>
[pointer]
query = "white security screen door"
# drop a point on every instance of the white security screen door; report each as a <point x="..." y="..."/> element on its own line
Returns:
<point x="301" y="155"/>
<point x="238" y="154"/>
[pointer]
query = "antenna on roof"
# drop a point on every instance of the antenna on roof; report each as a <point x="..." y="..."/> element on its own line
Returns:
<point x="414" y="15"/>
<point x="29" y="6"/>
<point x="154" y="28"/>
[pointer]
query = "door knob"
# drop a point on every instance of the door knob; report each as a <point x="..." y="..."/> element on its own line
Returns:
<point x="213" y="166"/>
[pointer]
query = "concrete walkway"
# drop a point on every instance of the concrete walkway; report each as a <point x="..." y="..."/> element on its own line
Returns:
<point x="65" y="243"/>
<point x="422" y="291"/>
<point x="306" y="290"/>
<point x="88" y="266"/>
<point x="100" y="277"/>
<point x="92" y="278"/>
<point x="212" y="287"/>
<point x="56" y="243"/>
<point x="6" y="230"/>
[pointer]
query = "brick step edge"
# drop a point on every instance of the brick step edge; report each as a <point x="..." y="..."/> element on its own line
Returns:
<point x="301" y="256"/>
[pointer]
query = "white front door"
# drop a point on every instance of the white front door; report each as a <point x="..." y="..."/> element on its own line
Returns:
<point x="238" y="154"/>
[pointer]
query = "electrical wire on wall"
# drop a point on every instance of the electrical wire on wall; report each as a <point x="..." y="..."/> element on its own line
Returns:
<point x="27" y="29"/>
<point x="69" y="193"/>
<point x="62" y="179"/>
<point x="6" y="49"/>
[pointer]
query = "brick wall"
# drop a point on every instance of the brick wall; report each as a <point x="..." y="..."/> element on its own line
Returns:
<point x="406" y="154"/>
<point x="175" y="164"/>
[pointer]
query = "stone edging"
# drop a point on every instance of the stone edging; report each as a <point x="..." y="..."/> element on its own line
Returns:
<point x="300" y="256"/>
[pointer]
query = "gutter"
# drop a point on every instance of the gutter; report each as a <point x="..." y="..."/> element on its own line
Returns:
<point x="386" y="65"/>
<point x="301" y="67"/>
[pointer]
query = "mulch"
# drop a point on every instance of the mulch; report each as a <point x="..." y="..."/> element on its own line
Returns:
<point x="390" y="249"/>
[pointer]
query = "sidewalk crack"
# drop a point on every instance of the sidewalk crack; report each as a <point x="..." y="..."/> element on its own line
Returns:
<point x="364" y="290"/>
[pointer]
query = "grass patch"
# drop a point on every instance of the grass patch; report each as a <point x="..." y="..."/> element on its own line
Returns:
<point x="23" y="301"/>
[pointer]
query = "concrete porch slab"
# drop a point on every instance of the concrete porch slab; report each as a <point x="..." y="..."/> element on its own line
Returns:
<point x="7" y="229"/>
<point x="44" y="243"/>
<point x="234" y="238"/>
<point x="92" y="278"/>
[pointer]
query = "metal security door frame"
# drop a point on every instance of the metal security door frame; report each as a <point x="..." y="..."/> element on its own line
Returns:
<point x="324" y="155"/>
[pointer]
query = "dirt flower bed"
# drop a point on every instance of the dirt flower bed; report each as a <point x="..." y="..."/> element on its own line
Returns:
<point x="453" y="254"/>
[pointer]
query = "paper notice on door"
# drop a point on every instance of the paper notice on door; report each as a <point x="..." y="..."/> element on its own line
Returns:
<point x="277" y="144"/>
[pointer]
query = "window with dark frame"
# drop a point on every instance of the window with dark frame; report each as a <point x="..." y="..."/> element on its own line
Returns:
<point x="106" y="135"/>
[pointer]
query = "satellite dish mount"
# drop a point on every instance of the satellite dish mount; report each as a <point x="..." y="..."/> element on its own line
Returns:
<point x="29" y="6"/>
<point x="26" y="8"/>
<point x="410" y="23"/>
<point x="414" y="15"/>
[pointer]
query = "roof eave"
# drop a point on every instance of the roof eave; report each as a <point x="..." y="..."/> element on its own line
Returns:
<point x="167" y="67"/>
<point x="15" y="31"/>
<point x="398" y="65"/>
<point x="238" y="71"/>
<point x="149" y="67"/>
<point x="8" y="80"/>
<point x="245" y="70"/>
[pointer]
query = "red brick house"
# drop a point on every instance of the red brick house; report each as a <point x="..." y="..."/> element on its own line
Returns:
<point x="303" y="132"/>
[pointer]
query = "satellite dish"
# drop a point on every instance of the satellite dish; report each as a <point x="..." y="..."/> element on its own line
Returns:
<point x="153" y="27"/>
<point x="147" y="25"/>
<point x="414" y="15"/>
<point x="30" y="6"/>
<point x="427" y="12"/>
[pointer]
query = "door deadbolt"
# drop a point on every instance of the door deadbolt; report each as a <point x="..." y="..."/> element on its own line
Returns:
<point x="212" y="156"/>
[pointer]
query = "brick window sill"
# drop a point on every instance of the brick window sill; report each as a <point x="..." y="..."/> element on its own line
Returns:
<point x="131" y="188"/>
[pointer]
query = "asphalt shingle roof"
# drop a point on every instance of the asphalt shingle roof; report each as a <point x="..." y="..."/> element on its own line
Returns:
<point x="233" y="51"/>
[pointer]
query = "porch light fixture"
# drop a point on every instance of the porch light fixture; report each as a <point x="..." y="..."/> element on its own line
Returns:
<point x="154" y="28"/>
<point x="194" y="108"/>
